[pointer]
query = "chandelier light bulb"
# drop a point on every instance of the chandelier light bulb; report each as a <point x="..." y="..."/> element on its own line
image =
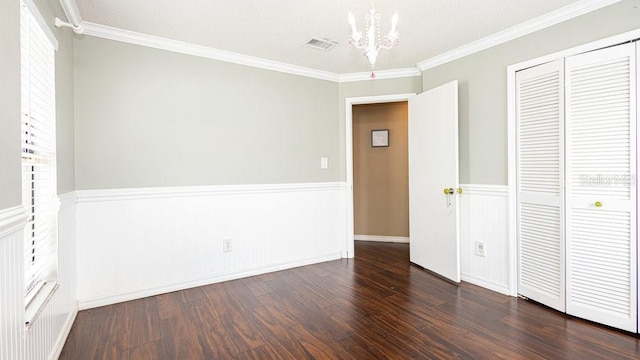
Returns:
<point x="356" y="36"/>
<point x="393" y="33"/>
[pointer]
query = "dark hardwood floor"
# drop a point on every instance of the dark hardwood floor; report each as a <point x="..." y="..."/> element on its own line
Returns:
<point x="375" y="306"/>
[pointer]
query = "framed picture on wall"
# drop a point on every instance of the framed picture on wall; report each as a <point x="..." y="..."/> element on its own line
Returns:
<point x="380" y="138"/>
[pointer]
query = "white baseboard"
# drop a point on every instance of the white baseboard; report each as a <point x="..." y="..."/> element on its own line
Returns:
<point x="84" y="304"/>
<point x="64" y="334"/>
<point x="486" y="284"/>
<point x="381" y="238"/>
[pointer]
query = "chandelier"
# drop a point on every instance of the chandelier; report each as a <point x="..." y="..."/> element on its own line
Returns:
<point x="372" y="43"/>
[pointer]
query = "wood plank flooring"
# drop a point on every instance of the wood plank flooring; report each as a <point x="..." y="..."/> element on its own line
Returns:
<point x="376" y="306"/>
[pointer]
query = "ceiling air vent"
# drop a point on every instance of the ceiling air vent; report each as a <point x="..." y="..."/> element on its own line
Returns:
<point x="321" y="44"/>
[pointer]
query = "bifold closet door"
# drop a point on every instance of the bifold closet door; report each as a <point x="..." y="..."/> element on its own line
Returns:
<point x="540" y="154"/>
<point x="601" y="186"/>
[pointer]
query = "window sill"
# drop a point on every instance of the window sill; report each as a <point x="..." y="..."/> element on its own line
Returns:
<point x="38" y="303"/>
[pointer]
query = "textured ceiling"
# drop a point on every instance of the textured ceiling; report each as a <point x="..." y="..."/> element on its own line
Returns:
<point x="278" y="29"/>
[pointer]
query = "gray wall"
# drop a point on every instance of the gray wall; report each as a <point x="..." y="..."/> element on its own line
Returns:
<point x="147" y="117"/>
<point x="10" y="177"/>
<point x="65" y="144"/>
<point x="10" y="104"/>
<point x="483" y="84"/>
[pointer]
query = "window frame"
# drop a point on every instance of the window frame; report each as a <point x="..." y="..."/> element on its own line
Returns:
<point x="38" y="159"/>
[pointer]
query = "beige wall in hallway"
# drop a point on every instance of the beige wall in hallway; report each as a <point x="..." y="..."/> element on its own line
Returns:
<point x="380" y="174"/>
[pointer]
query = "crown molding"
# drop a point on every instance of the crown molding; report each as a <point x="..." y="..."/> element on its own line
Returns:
<point x="539" y="23"/>
<point x="136" y="38"/>
<point x="380" y="75"/>
<point x="156" y="42"/>
<point x="563" y="14"/>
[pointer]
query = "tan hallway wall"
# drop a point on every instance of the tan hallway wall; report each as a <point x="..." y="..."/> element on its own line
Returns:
<point x="380" y="174"/>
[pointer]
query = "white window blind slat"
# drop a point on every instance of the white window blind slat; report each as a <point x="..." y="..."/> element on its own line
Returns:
<point x="38" y="154"/>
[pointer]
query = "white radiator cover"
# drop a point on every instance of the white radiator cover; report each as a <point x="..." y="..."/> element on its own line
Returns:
<point x="142" y="242"/>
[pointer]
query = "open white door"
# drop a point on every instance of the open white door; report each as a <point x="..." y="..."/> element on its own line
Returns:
<point x="433" y="167"/>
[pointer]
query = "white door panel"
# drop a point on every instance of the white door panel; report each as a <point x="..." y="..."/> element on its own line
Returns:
<point x="601" y="186"/>
<point x="540" y="227"/>
<point x="433" y="166"/>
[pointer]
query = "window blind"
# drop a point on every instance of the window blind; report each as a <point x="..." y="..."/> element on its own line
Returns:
<point x="38" y="154"/>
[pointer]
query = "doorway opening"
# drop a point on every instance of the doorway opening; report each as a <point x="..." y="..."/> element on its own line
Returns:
<point x="381" y="172"/>
<point x="349" y="103"/>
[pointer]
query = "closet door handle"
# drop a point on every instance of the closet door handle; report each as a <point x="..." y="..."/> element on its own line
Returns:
<point x="598" y="204"/>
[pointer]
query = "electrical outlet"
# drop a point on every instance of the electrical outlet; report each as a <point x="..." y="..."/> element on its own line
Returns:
<point x="227" y="245"/>
<point x="480" y="250"/>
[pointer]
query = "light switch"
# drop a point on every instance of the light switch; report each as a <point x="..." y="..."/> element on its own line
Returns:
<point x="324" y="163"/>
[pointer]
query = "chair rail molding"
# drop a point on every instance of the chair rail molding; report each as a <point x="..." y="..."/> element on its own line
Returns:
<point x="12" y="219"/>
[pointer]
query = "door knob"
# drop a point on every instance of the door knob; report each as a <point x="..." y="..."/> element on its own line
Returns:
<point x="448" y="191"/>
<point x="598" y="204"/>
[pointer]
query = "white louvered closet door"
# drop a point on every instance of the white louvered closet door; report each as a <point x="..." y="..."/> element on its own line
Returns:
<point x="601" y="186"/>
<point x="540" y="122"/>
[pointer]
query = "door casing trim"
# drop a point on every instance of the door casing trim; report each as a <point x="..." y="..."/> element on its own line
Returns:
<point x="349" y="102"/>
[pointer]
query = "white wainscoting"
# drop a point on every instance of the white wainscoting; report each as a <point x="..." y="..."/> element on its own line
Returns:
<point x="134" y="243"/>
<point x="484" y="218"/>
<point x="382" y="238"/>
<point x="45" y="338"/>
<point x="12" y="223"/>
